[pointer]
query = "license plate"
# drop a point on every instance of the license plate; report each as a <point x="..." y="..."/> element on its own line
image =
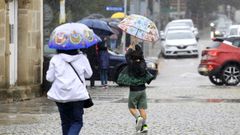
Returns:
<point x="182" y="52"/>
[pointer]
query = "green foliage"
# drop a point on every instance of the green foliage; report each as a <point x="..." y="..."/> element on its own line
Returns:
<point x="208" y="6"/>
<point x="83" y="8"/>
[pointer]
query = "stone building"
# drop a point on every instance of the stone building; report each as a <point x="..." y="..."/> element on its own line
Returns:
<point x="20" y="49"/>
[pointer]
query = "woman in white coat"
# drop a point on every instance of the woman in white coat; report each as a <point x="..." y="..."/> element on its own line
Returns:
<point x="67" y="90"/>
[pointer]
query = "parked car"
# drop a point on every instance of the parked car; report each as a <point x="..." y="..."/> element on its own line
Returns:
<point x="234" y="31"/>
<point x="189" y="23"/>
<point x="117" y="63"/>
<point x="220" y="26"/>
<point x="179" y="43"/>
<point x="173" y="28"/>
<point x="221" y="61"/>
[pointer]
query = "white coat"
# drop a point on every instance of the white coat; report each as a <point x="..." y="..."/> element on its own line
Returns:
<point x="66" y="86"/>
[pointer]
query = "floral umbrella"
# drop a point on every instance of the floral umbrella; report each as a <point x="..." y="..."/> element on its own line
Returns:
<point x="72" y="36"/>
<point x="140" y="26"/>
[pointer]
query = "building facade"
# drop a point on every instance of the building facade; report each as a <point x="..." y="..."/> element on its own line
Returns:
<point x="178" y="8"/>
<point x="21" y="49"/>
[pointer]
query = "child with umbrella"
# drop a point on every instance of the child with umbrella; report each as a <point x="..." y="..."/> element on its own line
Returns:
<point x="136" y="75"/>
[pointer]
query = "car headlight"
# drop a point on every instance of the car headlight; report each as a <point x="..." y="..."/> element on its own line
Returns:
<point x="151" y="65"/>
<point x="217" y="32"/>
<point x="168" y="46"/>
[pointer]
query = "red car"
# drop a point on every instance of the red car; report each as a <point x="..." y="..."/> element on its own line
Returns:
<point x="221" y="62"/>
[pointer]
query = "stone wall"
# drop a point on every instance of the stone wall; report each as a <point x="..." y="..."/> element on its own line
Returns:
<point x="30" y="47"/>
<point x="29" y="51"/>
<point x="4" y="54"/>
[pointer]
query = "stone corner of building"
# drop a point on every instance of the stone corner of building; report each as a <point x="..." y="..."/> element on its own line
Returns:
<point x="20" y="93"/>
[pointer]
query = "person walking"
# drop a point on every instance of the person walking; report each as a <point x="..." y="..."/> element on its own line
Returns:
<point x="137" y="101"/>
<point x="113" y="41"/>
<point x="104" y="62"/>
<point x="92" y="55"/>
<point x="67" y="90"/>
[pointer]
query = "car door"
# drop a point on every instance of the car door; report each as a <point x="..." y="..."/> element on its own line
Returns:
<point x="236" y="43"/>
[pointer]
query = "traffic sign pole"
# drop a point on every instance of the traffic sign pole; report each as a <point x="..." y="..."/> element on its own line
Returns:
<point x="124" y="33"/>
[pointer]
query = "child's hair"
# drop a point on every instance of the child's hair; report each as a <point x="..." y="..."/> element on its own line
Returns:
<point x="69" y="52"/>
<point x="138" y="47"/>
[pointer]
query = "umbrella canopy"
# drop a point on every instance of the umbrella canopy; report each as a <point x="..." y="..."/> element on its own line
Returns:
<point x="98" y="25"/>
<point x="118" y="15"/>
<point x="95" y="16"/>
<point x="140" y="26"/>
<point x="71" y="36"/>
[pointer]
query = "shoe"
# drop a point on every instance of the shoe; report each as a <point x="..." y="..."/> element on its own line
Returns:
<point x="144" y="128"/>
<point x="139" y="123"/>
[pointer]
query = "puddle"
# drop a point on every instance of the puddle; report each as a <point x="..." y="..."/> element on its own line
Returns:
<point x="185" y="100"/>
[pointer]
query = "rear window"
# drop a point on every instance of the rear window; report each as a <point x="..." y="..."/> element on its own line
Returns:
<point x="234" y="31"/>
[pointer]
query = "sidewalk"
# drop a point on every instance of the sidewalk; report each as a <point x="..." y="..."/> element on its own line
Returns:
<point x="109" y="115"/>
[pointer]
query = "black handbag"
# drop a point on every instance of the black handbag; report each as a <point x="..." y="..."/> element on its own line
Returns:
<point x="88" y="102"/>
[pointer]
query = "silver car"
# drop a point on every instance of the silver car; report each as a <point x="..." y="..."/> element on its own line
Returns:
<point x="180" y="43"/>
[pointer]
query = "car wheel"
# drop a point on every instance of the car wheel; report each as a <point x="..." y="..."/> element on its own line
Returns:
<point x="231" y="75"/>
<point x="216" y="80"/>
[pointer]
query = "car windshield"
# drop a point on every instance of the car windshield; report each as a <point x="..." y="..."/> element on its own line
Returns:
<point x="48" y="50"/>
<point x="178" y="24"/>
<point x="180" y="35"/>
<point x="179" y="28"/>
<point x="234" y="31"/>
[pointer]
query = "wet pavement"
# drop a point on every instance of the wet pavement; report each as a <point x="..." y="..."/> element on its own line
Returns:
<point x="180" y="102"/>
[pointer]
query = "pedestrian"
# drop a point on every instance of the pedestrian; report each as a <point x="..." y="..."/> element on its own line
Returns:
<point x="137" y="101"/>
<point x="103" y="62"/>
<point x="92" y="55"/>
<point x="67" y="90"/>
<point x="113" y="41"/>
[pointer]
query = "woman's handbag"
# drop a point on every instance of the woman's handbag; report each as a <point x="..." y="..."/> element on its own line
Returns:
<point x="88" y="102"/>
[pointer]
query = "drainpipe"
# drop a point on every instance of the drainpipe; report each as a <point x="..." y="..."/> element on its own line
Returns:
<point x="62" y="17"/>
<point x="13" y="24"/>
<point x="42" y="42"/>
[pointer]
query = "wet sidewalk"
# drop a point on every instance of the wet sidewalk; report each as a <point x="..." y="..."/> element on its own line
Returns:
<point x="40" y="116"/>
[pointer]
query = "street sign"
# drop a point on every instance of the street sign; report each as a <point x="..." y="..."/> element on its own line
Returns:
<point x="113" y="8"/>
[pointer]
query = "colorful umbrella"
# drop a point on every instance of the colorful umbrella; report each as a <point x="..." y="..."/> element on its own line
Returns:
<point x="140" y="26"/>
<point x="118" y="15"/>
<point x="72" y="36"/>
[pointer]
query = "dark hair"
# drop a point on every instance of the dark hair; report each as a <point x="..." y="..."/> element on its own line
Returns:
<point x="69" y="52"/>
<point x="138" y="47"/>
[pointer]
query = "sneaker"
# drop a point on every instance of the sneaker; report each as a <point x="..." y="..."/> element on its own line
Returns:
<point x="144" y="128"/>
<point x="139" y="123"/>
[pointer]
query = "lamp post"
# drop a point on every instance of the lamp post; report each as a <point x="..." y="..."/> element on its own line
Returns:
<point x="124" y="34"/>
<point x="229" y="11"/>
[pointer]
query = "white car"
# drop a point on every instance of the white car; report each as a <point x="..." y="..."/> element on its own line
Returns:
<point x="180" y="43"/>
<point x="172" y="28"/>
<point x="234" y="31"/>
<point x="188" y="22"/>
